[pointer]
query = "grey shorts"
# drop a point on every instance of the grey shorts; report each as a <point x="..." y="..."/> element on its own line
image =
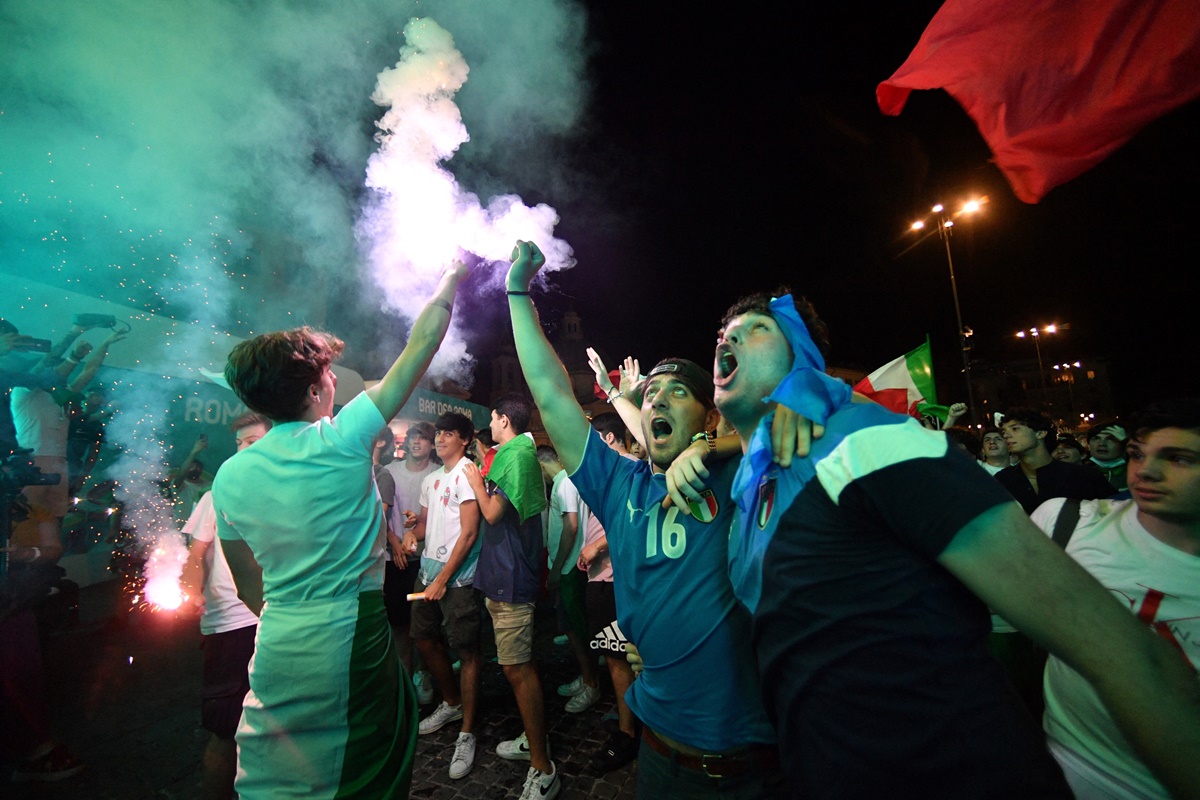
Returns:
<point x="459" y="607"/>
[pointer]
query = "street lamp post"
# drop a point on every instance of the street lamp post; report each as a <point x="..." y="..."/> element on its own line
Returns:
<point x="945" y="227"/>
<point x="1036" y="335"/>
<point x="1069" y="379"/>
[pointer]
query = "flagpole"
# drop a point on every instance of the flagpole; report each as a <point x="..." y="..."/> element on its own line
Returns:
<point x="945" y="227"/>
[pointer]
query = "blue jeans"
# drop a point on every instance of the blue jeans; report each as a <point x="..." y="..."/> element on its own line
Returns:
<point x="660" y="777"/>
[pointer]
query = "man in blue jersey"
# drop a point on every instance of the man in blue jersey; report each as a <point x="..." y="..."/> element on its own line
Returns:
<point x="864" y="565"/>
<point x="705" y="730"/>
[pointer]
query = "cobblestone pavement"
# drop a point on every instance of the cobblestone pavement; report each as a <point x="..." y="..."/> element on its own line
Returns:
<point x="124" y="690"/>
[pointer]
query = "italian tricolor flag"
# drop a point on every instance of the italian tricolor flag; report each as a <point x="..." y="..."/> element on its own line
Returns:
<point x="904" y="383"/>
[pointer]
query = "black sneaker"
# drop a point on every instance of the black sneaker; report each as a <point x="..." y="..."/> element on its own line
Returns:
<point x="619" y="750"/>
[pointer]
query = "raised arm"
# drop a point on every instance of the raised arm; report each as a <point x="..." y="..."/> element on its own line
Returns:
<point x="54" y="356"/>
<point x="391" y="393"/>
<point x="562" y="415"/>
<point x="620" y="396"/>
<point x="94" y="361"/>
<point x="1151" y="691"/>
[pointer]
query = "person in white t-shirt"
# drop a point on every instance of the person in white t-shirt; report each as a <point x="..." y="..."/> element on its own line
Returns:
<point x="228" y="628"/>
<point x="995" y="455"/>
<point x="567" y="519"/>
<point x="1146" y="551"/>
<point x="448" y="523"/>
<point x="401" y="568"/>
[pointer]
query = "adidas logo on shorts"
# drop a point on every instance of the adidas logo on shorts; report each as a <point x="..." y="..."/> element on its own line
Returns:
<point x="610" y="639"/>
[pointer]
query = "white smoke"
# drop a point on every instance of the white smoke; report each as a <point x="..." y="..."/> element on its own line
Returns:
<point x="211" y="162"/>
<point x="419" y="216"/>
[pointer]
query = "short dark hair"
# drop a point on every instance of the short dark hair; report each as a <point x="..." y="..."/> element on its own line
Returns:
<point x="760" y="303"/>
<point x="965" y="437"/>
<point x="248" y="419"/>
<point x="1178" y="412"/>
<point x="611" y="422"/>
<point x="271" y="373"/>
<point x="453" y="422"/>
<point x="484" y="435"/>
<point x="546" y="453"/>
<point x="517" y="408"/>
<point x="1032" y="418"/>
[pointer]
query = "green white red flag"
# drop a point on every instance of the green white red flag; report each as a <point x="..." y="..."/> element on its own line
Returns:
<point x="903" y="384"/>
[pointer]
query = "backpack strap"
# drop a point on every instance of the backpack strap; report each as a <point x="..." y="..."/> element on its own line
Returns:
<point x="1064" y="525"/>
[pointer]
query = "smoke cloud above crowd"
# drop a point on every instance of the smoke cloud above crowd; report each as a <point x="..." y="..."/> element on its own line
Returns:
<point x="236" y="167"/>
<point x="208" y="161"/>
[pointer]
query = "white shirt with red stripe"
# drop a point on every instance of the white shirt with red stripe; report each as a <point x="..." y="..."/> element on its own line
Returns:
<point x="1161" y="586"/>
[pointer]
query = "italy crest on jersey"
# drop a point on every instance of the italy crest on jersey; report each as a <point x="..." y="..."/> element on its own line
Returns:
<point x="766" y="501"/>
<point x="705" y="509"/>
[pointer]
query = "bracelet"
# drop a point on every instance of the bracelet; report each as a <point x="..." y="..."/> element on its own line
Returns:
<point x="442" y="304"/>
<point x="613" y="394"/>
<point x="708" y="437"/>
<point x="513" y="293"/>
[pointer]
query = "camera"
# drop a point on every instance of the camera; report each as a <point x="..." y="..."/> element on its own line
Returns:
<point x="94" y="320"/>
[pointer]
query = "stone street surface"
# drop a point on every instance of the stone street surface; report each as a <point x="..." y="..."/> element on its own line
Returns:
<point x="124" y="691"/>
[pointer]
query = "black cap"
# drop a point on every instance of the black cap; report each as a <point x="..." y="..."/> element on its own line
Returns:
<point x="698" y="379"/>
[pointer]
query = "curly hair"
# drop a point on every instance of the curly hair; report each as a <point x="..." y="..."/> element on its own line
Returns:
<point x="271" y="373"/>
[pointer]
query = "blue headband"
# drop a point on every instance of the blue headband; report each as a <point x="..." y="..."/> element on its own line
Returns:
<point x="807" y="390"/>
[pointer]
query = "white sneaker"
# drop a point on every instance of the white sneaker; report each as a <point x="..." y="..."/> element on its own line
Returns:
<point x="514" y="749"/>
<point x="540" y="786"/>
<point x="586" y="698"/>
<point x="424" y="687"/>
<point x="464" y="756"/>
<point x="443" y="715"/>
<point x="518" y="749"/>
<point x="573" y="688"/>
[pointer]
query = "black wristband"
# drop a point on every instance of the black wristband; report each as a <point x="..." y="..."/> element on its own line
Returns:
<point x="512" y="293"/>
<point x="442" y="304"/>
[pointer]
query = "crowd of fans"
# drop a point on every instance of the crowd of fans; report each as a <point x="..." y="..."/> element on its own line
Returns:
<point x="51" y="429"/>
<point x="788" y="598"/>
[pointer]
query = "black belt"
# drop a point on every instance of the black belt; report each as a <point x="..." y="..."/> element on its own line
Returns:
<point x="717" y="765"/>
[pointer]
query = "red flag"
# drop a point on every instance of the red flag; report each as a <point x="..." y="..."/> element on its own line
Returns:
<point x="1055" y="86"/>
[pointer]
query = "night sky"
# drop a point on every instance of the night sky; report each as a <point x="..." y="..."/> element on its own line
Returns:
<point x="743" y="151"/>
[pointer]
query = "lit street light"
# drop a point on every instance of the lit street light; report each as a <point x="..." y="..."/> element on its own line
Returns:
<point x="945" y="227"/>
